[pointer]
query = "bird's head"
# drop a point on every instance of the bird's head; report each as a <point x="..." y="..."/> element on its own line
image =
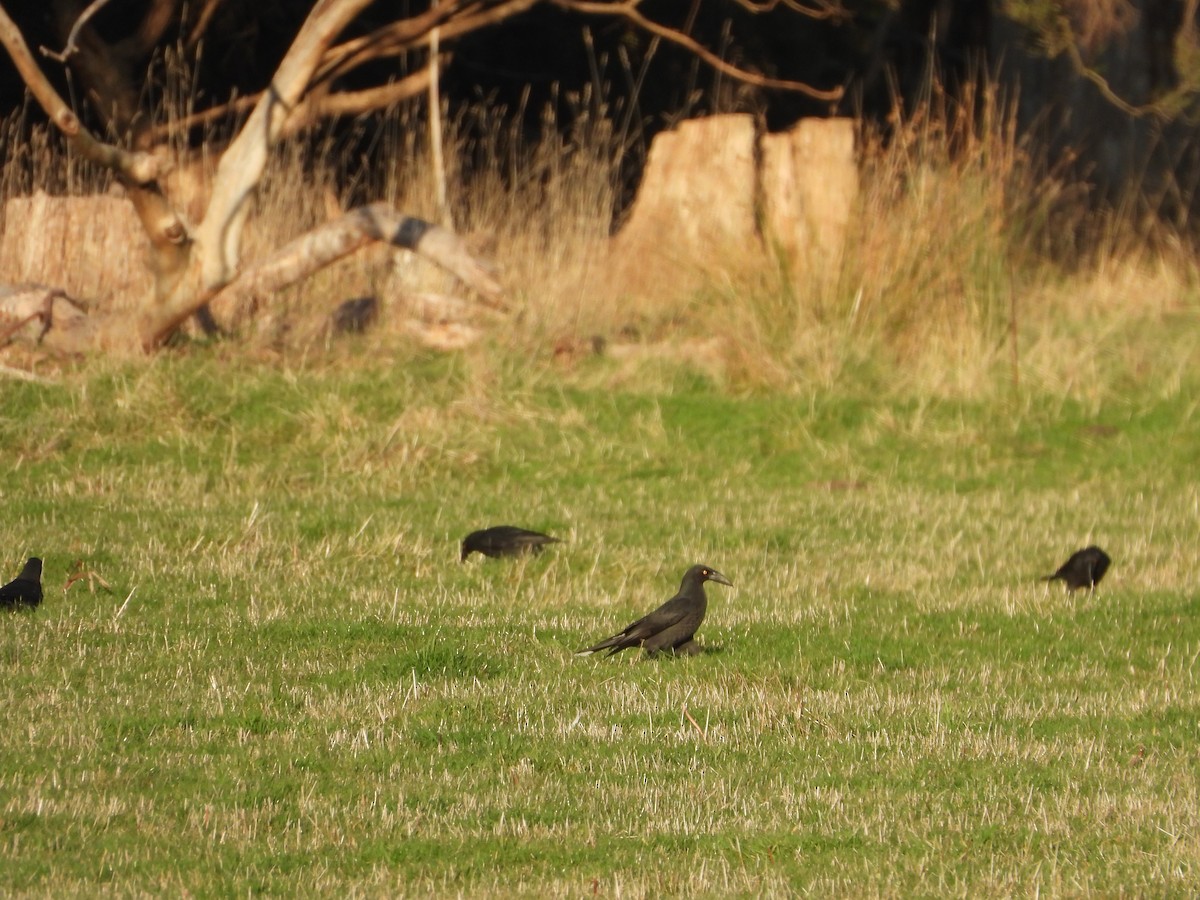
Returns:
<point x="708" y="573"/>
<point x="33" y="568"/>
<point x="468" y="548"/>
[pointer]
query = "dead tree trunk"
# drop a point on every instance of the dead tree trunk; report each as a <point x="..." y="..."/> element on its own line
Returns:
<point x="193" y="267"/>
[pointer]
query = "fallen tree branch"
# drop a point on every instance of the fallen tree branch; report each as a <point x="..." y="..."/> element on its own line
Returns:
<point x="7" y="332"/>
<point x="22" y="375"/>
<point x="377" y="222"/>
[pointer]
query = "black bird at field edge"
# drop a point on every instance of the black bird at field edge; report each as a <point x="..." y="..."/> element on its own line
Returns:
<point x="672" y="625"/>
<point x="505" y="540"/>
<point x="1085" y="568"/>
<point x="25" y="589"/>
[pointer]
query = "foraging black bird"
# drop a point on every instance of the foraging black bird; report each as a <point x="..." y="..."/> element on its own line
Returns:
<point x="671" y="626"/>
<point x="25" y="589"/>
<point x="1085" y="568"/>
<point x="355" y="316"/>
<point x="505" y="540"/>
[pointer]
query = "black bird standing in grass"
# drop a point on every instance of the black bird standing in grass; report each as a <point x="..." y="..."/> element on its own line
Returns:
<point x="25" y="589"/>
<point x="505" y="540"/>
<point x="671" y="626"/>
<point x="1085" y="568"/>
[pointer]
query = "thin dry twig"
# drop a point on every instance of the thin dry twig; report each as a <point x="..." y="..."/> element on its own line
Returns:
<point x="1085" y="71"/>
<point x="6" y="334"/>
<point x="83" y="574"/>
<point x="203" y="17"/>
<point x="824" y="9"/>
<point x="311" y="109"/>
<point x="120" y="612"/>
<point x="72" y="48"/>
<point x="390" y="40"/>
<point x="695" y="724"/>
<point x="628" y="10"/>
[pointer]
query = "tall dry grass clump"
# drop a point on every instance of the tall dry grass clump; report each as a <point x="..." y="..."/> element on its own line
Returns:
<point x="951" y="204"/>
<point x="973" y="265"/>
<point x="544" y="201"/>
<point x="949" y="217"/>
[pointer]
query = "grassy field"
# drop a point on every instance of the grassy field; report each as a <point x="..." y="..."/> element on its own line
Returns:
<point x="294" y="687"/>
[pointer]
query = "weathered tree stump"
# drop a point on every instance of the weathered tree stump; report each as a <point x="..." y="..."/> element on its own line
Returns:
<point x="716" y="196"/>
<point x="697" y="191"/>
<point x="809" y="188"/>
<point x="89" y="246"/>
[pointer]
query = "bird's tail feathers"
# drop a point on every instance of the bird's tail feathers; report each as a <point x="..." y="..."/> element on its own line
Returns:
<point x="614" y="642"/>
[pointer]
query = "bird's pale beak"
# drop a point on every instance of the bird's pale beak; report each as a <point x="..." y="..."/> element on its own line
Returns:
<point x="716" y="576"/>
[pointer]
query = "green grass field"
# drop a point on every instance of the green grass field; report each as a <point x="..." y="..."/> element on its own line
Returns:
<point x="293" y="686"/>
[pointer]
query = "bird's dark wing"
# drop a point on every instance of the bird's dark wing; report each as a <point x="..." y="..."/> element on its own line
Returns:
<point x="1067" y="569"/>
<point x="26" y="588"/>
<point x="531" y="539"/>
<point x="505" y="540"/>
<point x="21" y="591"/>
<point x="1084" y="568"/>
<point x="670" y="613"/>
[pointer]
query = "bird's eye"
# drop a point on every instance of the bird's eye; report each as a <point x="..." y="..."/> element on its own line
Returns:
<point x="705" y="572"/>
